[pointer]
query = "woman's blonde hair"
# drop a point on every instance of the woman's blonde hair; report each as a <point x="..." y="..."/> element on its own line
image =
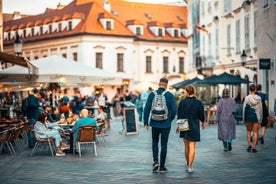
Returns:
<point x="191" y="90"/>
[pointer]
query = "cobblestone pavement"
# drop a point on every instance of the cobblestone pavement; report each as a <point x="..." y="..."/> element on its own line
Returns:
<point x="128" y="159"/>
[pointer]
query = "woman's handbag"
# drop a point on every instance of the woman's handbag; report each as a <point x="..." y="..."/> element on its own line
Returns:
<point x="183" y="125"/>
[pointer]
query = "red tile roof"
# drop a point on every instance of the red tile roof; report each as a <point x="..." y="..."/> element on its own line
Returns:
<point x="123" y="13"/>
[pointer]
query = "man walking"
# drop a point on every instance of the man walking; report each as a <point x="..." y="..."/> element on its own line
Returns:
<point x="265" y="111"/>
<point x="33" y="110"/>
<point x="160" y="121"/>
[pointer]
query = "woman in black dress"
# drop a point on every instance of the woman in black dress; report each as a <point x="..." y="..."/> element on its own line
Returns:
<point x="192" y="109"/>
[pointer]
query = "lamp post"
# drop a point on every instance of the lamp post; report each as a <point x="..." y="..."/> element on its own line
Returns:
<point x="243" y="58"/>
<point x="18" y="44"/>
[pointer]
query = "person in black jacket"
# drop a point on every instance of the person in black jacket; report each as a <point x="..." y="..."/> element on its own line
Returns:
<point x="192" y="109"/>
<point x="160" y="128"/>
<point x="33" y="110"/>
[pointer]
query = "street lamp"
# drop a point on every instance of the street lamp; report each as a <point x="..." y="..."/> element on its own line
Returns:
<point x="18" y="44"/>
<point x="243" y="58"/>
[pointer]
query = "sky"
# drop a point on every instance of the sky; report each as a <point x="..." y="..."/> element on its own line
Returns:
<point x="39" y="6"/>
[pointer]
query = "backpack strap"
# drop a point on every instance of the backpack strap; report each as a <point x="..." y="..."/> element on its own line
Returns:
<point x="164" y="92"/>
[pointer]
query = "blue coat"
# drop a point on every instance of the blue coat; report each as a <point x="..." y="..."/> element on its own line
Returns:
<point x="172" y="110"/>
<point x="86" y="121"/>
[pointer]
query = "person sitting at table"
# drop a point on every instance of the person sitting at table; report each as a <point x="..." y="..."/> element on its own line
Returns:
<point x="83" y="121"/>
<point x="55" y="114"/>
<point x="101" y="117"/>
<point x="43" y="130"/>
<point x="48" y="111"/>
<point x="65" y="109"/>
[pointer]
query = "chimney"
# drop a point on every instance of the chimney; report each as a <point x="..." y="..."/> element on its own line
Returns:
<point x="106" y="6"/>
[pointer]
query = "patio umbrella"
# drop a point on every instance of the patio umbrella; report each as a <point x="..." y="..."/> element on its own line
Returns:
<point x="226" y="78"/>
<point x="56" y="69"/>
<point x="187" y="82"/>
<point x="207" y="80"/>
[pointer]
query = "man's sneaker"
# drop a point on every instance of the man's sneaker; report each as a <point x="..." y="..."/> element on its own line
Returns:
<point x="163" y="170"/>
<point x="155" y="167"/>
<point x="262" y="140"/>
<point x="190" y="170"/>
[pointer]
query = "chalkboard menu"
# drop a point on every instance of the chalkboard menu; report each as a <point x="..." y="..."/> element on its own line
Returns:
<point x="130" y="121"/>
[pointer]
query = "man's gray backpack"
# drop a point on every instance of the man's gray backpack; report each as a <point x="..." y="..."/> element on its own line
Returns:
<point x="159" y="109"/>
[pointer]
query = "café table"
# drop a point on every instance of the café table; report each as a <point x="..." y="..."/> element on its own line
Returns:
<point x="66" y="127"/>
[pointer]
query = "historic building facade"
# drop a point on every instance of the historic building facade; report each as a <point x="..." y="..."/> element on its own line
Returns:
<point x="140" y="41"/>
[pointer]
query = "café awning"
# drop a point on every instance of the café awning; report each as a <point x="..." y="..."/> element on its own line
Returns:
<point x="18" y="60"/>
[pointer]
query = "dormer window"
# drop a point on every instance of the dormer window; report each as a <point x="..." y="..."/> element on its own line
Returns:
<point x="157" y="28"/>
<point x="135" y="27"/>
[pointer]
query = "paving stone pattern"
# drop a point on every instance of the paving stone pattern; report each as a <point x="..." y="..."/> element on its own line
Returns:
<point x="128" y="159"/>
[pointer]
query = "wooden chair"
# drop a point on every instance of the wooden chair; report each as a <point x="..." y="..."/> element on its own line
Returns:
<point x="5" y="139"/>
<point x="86" y="135"/>
<point x="38" y="141"/>
<point x="15" y="138"/>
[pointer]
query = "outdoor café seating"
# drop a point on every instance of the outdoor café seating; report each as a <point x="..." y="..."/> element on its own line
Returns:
<point x="40" y="141"/>
<point x="86" y="135"/>
<point x="5" y="139"/>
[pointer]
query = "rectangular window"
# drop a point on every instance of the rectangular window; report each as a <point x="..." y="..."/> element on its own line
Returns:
<point x="227" y="6"/>
<point x="75" y="56"/>
<point x="181" y="64"/>
<point x="70" y="26"/>
<point x="165" y="64"/>
<point x="246" y="32"/>
<point x="138" y="31"/>
<point x="217" y="43"/>
<point x="176" y="33"/>
<point x="64" y="55"/>
<point x="50" y="29"/>
<point x="148" y="64"/>
<point x="120" y="62"/>
<point x="255" y="29"/>
<point x="108" y="25"/>
<point x="41" y="30"/>
<point x="99" y="60"/>
<point x="238" y="36"/>
<point x="209" y="44"/>
<point x="59" y="27"/>
<point x="33" y="32"/>
<point x="229" y="39"/>
<point x="160" y="32"/>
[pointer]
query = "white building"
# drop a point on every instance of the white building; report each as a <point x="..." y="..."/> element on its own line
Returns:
<point x="232" y="28"/>
<point x="140" y="41"/>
